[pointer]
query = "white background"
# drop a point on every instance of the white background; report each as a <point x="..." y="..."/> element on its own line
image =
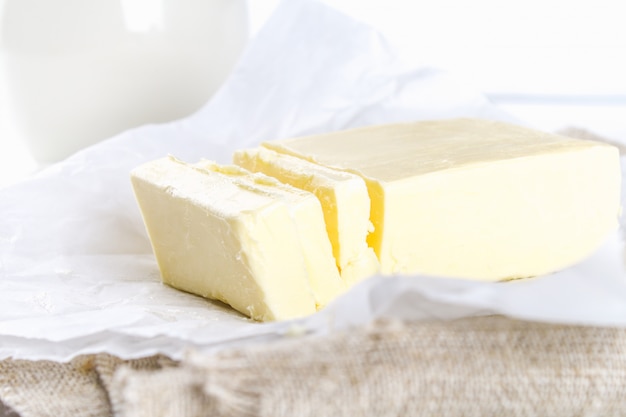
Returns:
<point x="553" y="63"/>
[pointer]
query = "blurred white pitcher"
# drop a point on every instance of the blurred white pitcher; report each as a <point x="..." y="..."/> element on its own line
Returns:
<point x="79" y="71"/>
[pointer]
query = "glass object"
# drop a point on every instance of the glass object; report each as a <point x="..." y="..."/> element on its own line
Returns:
<point x="77" y="71"/>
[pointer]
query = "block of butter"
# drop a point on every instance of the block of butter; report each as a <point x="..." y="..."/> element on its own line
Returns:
<point x="473" y="198"/>
<point x="236" y="241"/>
<point x="344" y="199"/>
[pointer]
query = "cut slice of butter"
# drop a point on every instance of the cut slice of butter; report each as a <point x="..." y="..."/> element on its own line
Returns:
<point x="344" y="200"/>
<point x="473" y="198"/>
<point x="306" y="212"/>
<point x="216" y="238"/>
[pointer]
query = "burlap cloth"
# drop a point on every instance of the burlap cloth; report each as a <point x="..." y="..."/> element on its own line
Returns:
<point x="489" y="366"/>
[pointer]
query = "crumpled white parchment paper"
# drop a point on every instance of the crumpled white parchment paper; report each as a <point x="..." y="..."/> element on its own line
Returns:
<point x="76" y="270"/>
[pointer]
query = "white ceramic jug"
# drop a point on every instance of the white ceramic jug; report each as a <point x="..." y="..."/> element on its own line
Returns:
<point x="79" y="71"/>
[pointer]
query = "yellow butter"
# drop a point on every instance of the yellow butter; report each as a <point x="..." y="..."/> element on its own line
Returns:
<point x="473" y="198"/>
<point x="344" y="200"/>
<point x="306" y="213"/>
<point x="216" y="238"/>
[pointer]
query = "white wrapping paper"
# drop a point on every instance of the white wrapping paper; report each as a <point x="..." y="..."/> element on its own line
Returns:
<point x="76" y="270"/>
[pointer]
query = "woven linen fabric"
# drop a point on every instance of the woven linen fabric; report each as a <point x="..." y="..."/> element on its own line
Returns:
<point x="483" y="366"/>
<point x="491" y="366"/>
<point x="79" y="388"/>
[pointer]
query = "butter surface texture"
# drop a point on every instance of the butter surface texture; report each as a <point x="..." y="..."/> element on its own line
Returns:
<point x="344" y="199"/>
<point x="223" y="240"/>
<point x="306" y="212"/>
<point x="473" y="198"/>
